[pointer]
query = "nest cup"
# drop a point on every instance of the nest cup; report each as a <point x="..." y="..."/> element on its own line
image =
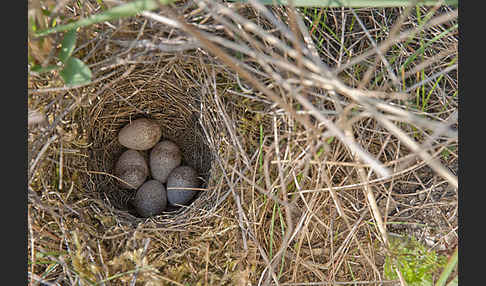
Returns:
<point x="168" y="95"/>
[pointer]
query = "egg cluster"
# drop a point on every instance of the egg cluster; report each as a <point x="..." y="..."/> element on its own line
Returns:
<point x="161" y="181"/>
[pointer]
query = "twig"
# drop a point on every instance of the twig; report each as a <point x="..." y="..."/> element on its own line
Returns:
<point x="173" y="47"/>
<point x="61" y="164"/>
<point x="39" y="156"/>
<point x="416" y="148"/>
<point x="365" y="156"/>
<point x="378" y="51"/>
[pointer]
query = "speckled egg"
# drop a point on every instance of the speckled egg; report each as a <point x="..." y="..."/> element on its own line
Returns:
<point x="140" y="134"/>
<point x="181" y="177"/>
<point x="164" y="157"/>
<point x="151" y="199"/>
<point x="132" y="168"/>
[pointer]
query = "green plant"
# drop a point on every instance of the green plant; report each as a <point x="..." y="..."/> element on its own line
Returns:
<point x="72" y="70"/>
<point x="75" y="71"/>
<point x="448" y="151"/>
<point x="418" y="265"/>
<point x="121" y="11"/>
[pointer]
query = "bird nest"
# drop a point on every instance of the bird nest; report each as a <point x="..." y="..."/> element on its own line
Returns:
<point x="176" y="104"/>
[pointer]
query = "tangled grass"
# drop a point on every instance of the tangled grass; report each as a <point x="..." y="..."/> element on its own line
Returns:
<point x="317" y="131"/>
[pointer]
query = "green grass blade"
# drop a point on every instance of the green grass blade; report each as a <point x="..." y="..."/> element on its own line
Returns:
<point x="125" y="10"/>
<point x="422" y="48"/>
<point x="68" y="45"/>
<point x="427" y="98"/>
<point x="451" y="264"/>
<point x="42" y="262"/>
<point x="352" y="3"/>
<point x="260" y="157"/>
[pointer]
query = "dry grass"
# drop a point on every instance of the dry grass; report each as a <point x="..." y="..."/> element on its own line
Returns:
<point x="311" y="153"/>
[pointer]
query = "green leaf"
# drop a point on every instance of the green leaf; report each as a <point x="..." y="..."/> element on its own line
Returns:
<point x="68" y="45"/>
<point x="352" y="3"/>
<point x="121" y="11"/>
<point x="75" y="72"/>
<point x="42" y="262"/>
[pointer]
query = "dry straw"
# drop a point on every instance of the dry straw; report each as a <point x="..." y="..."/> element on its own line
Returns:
<point x="253" y="103"/>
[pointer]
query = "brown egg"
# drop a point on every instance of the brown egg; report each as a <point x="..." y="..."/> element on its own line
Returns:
<point x="140" y="134"/>
<point x="151" y="199"/>
<point x="181" y="177"/>
<point x="132" y="168"/>
<point x="164" y="157"/>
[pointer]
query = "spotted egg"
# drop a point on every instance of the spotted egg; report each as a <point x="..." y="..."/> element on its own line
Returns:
<point x="151" y="199"/>
<point x="140" y="134"/>
<point x="132" y="169"/>
<point x="180" y="180"/>
<point x="164" y="157"/>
